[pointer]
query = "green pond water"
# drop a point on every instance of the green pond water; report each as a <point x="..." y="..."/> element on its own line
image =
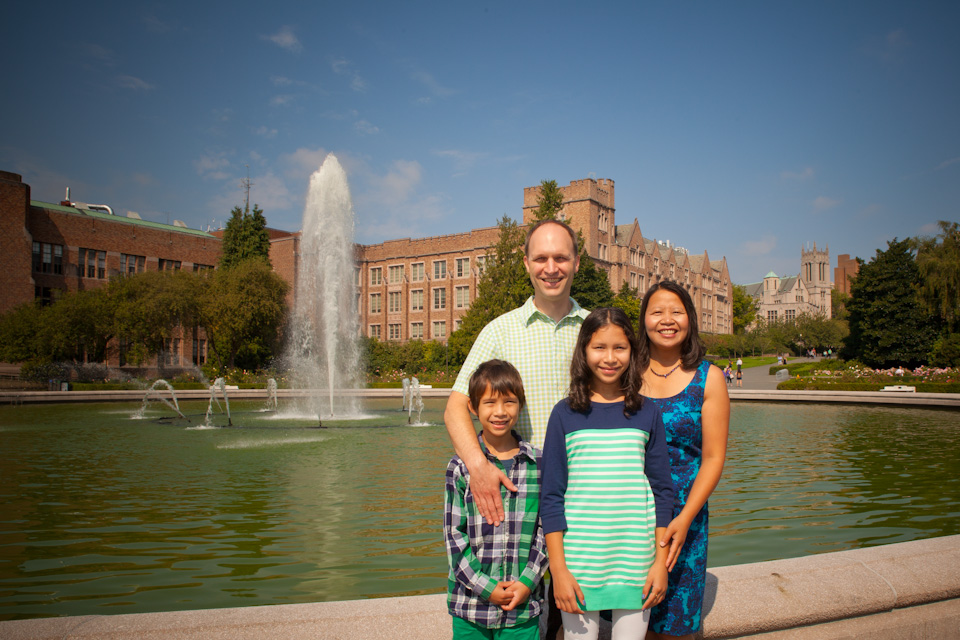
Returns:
<point x="102" y="513"/>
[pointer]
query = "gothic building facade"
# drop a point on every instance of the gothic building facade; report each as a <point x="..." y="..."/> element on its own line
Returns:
<point x="788" y="297"/>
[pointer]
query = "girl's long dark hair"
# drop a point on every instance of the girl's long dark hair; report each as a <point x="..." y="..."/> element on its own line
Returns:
<point x="692" y="350"/>
<point x="580" y="373"/>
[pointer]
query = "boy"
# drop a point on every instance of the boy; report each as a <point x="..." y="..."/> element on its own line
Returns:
<point x="494" y="588"/>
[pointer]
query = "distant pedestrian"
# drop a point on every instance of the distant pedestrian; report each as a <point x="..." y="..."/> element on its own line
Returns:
<point x="739" y="377"/>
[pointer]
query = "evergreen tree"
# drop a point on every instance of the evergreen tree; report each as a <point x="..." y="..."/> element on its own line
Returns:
<point x="628" y="299"/>
<point x="245" y="237"/>
<point x="744" y="309"/>
<point x="550" y="201"/>
<point x="591" y="286"/>
<point x="888" y="323"/>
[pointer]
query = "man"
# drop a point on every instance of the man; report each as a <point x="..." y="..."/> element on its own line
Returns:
<point x="538" y="339"/>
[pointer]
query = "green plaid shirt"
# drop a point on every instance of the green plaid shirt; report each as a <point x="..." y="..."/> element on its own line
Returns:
<point x="480" y="555"/>
<point x="540" y="349"/>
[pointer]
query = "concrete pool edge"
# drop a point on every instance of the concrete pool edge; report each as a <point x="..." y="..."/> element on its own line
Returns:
<point x="921" y="400"/>
<point x="903" y="590"/>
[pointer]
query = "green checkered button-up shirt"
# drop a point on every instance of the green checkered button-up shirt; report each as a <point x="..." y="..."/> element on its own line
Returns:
<point x="540" y="349"/>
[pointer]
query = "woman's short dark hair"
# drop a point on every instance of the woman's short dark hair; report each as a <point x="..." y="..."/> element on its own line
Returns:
<point x="502" y="378"/>
<point x="580" y="373"/>
<point x="692" y="350"/>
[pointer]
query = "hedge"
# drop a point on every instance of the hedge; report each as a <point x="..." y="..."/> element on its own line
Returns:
<point x="828" y="385"/>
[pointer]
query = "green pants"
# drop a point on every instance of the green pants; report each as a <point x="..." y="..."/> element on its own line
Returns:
<point x="466" y="630"/>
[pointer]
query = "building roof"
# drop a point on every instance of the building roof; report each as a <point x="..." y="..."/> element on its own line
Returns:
<point x="771" y="275"/>
<point x="119" y="219"/>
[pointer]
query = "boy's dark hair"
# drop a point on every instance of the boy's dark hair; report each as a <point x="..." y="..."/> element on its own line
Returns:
<point x="580" y="373"/>
<point x="561" y="223"/>
<point x="692" y="350"/>
<point x="501" y="376"/>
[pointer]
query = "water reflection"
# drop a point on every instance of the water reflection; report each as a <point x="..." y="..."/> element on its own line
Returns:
<point x="103" y="514"/>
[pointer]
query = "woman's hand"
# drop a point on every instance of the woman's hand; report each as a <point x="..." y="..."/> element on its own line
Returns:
<point x="567" y="591"/>
<point x="655" y="589"/>
<point x="675" y="536"/>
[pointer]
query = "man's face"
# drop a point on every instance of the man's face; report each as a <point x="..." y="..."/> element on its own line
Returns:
<point x="551" y="263"/>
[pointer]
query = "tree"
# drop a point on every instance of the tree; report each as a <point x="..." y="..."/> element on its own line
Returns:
<point x="744" y="309"/>
<point x="838" y="304"/>
<point x="628" y="300"/>
<point x="20" y="339"/>
<point x="245" y="237"/>
<point x="889" y="325"/>
<point x="550" y="201"/>
<point x="591" y="285"/>
<point x="150" y="306"/>
<point x="504" y="285"/>
<point x="938" y="262"/>
<point x="242" y="311"/>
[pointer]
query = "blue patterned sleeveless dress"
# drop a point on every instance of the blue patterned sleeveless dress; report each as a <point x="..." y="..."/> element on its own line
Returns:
<point x="679" y="614"/>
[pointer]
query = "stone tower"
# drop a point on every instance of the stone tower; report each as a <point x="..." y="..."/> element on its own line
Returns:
<point x="815" y="273"/>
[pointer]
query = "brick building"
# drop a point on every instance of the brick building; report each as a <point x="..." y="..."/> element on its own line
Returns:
<point x="407" y="288"/>
<point x="846" y="270"/>
<point x="48" y="249"/>
<point x="421" y="288"/>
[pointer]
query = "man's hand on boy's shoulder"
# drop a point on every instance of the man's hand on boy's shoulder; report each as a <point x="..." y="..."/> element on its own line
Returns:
<point x="519" y="593"/>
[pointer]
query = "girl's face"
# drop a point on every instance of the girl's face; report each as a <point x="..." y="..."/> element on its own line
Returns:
<point x="666" y="321"/>
<point x="608" y="356"/>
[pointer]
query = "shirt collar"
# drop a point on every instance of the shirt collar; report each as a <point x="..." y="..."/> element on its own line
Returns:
<point x="531" y="313"/>
<point x="526" y="449"/>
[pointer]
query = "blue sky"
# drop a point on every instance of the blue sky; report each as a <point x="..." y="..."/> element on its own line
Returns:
<point x="748" y="129"/>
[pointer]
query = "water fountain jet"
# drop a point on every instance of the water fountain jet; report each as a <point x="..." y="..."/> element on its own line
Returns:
<point x="324" y="350"/>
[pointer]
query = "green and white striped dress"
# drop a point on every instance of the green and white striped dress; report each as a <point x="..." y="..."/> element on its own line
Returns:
<point x="606" y="481"/>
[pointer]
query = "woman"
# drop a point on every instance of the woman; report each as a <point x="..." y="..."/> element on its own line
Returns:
<point x="693" y="398"/>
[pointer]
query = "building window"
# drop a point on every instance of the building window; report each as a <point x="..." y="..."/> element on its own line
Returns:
<point x="45" y="295"/>
<point x="416" y="272"/>
<point x="463" y="267"/>
<point x="416" y="331"/>
<point x="457" y="324"/>
<point x="169" y="265"/>
<point x="439" y="298"/>
<point x="356" y="276"/>
<point x="439" y="269"/>
<point x="376" y="303"/>
<point x="393" y="331"/>
<point x="93" y="263"/>
<point x="772" y="315"/>
<point x="394" y="302"/>
<point x="439" y="329"/>
<point x="481" y="265"/>
<point x="376" y="275"/>
<point x="790" y="315"/>
<point x="416" y="300"/>
<point x="375" y="331"/>
<point x="199" y="352"/>
<point x="170" y="353"/>
<point x="461" y="297"/>
<point x="48" y="258"/>
<point x="134" y="264"/>
<point x="395" y="274"/>
<point x="201" y="267"/>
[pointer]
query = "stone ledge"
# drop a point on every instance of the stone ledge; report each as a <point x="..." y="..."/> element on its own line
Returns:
<point x="898" y="591"/>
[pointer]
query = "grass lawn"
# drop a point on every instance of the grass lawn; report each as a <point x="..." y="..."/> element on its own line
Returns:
<point x="749" y="361"/>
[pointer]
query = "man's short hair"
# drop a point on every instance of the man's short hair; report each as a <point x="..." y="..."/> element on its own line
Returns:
<point x="570" y="232"/>
<point x="502" y="378"/>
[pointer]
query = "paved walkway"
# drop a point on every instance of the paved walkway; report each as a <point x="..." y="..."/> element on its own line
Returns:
<point x="759" y="377"/>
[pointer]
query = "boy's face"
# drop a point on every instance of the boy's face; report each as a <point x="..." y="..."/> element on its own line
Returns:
<point x="498" y="413"/>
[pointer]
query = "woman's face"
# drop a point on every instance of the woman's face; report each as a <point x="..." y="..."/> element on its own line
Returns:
<point x="666" y="321"/>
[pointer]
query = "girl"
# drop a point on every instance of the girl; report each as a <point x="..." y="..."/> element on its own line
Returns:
<point x="607" y="495"/>
<point x="696" y="409"/>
